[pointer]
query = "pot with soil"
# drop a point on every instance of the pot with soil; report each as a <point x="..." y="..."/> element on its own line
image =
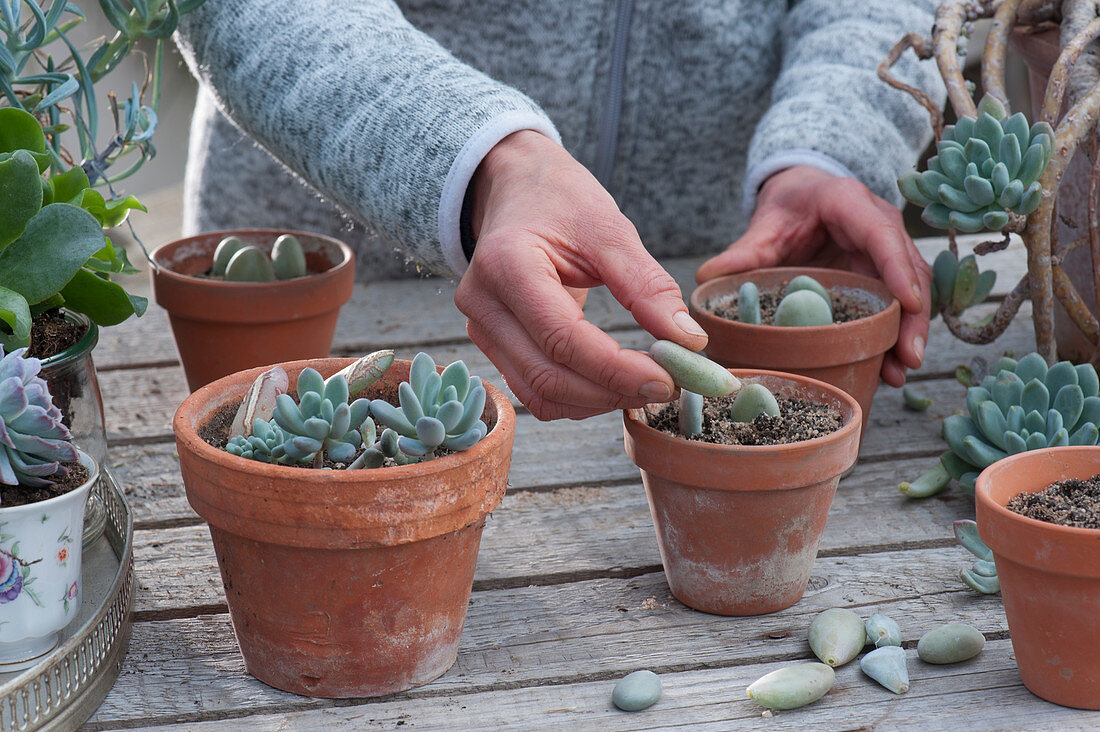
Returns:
<point x="1049" y="572"/>
<point x="223" y="326"/>
<point x="738" y="524"/>
<point x="44" y="484"/>
<point x="846" y="353"/>
<point x="349" y="579"/>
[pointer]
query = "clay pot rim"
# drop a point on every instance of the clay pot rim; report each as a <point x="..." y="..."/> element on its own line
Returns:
<point x="213" y="396"/>
<point x="165" y="272"/>
<point x="988" y="478"/>
<point x="634" y="419"/>
<point x="702" y="293"/>
<point x="89" y="463"/>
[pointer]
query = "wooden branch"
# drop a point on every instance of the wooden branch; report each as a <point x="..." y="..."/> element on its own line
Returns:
<point x="993" y="329"/>
<point x="945" y="39"/>
<point x="1078" y="311"/>
<point x="996" y="44"/>
<point x="988" y="247"/>
<point x="1094" y="223"/>
<point x="1085" y="74"/>
<point x="923" y="48"/>
<point x="1059" y="74"/>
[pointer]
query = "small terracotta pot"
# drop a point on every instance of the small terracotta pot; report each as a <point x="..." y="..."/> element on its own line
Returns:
<point x="1049" y="574"/>
<point x="738" y="527"/>
<point x="846" y="355"/>
<point x="346" y="583"/>
<point x="225" y="327"/>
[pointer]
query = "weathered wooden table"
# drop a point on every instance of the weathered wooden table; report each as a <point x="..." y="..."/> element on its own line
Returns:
<point x="569" y="594"/>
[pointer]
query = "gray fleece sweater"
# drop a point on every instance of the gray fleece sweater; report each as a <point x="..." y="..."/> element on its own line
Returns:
<point x="369" y="117"/>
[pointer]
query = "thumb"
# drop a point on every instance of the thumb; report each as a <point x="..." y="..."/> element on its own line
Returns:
<point x="755" y="249"/>
<point x="650" y="293"/>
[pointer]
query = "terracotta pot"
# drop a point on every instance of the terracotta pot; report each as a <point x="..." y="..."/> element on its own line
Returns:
<point x="344" y="583"/>
<point x="846" y="355"/>
<point x="1039" y="51"/>
<point x="1049" y="574"/>
<point x="225" y="327"/>
<point x="738" y="527"/>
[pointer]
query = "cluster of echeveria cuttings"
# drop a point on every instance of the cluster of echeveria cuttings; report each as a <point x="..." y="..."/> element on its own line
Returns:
<point x="805" y="302"/>
<point x="435" y="411"/>
<point x="1023" y="405"/>
<point x="239" y="262"/>
<point x="34" y="443"/>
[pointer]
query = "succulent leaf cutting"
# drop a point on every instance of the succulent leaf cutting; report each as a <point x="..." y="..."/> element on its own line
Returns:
<point x="1023" y="405"/>
<point x="239" y="262"/>
<point x="985" y="168"/>
<point x="33" y="440"/>
<point x="436" y="410"/>
<point x="805" y="302"/>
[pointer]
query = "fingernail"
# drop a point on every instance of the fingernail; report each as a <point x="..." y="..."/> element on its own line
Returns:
<point x="685" y="323"/>
<point x="656" y="391"/>
<point x="917" y="294"/>
<point x="918" y="346"/>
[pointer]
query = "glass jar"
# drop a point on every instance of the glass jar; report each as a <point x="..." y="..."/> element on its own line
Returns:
<point x="72" y="380"/>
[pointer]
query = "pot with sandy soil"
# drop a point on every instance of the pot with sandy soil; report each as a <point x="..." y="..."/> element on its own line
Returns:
<point x="1045" y="540"/>
<point x="846" y="353"/>
<point x="223" y="326"/>
<point x="347" y="551"/>
<point x="738" y="525"/>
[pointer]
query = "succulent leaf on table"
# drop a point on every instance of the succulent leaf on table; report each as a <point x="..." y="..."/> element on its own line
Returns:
<point x="984" y="169"/>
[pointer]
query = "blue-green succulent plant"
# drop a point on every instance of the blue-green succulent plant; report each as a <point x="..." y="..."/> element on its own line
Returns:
<point x="982" y="576"/>
<point x="1023" y="405"/>
<point x="239" y="262"/>
<point x="436" y="410"/>
<point x="957" y="284"/>
<point x="805" y="302"/>
<point x="984" y="169"/>
<point x="34" y="442"/>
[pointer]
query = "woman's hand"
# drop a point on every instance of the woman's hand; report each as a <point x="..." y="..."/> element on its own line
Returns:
<point x="546" y="232"/>
<point x="807" y="216"/>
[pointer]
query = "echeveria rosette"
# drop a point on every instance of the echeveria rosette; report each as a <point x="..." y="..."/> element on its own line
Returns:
<point x="33" y="440"/>
<point x="264" y="444"/>
<point x="322" y="422"/>
<point x="984" y="169"/>
<point x="1025" y="406"/>
<point x="436" y="409"/>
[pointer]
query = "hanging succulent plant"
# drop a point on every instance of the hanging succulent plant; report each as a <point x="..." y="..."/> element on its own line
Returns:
<point x="984" y="169"/>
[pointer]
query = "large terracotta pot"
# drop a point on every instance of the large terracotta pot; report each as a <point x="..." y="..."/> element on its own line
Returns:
<point x="846" y="355"/>
<point x="344" y="583"/>
<point x="1039" y="51"/>
<point x="738" y="527"/>
<point x="1049" y="574"/>
<point x="225" y="327"/>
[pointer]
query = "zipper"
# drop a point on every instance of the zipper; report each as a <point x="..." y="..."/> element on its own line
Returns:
<point x="607" y="141"/>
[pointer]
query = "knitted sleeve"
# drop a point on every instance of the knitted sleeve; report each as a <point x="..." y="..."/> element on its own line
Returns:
<point x="829" y="108"/>
<point x="374" y="114"/>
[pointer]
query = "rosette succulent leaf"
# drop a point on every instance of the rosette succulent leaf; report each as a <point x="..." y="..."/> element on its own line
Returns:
<point x="985" y="168"/>
<point x="958" y="284"/>
<point x="1022" y="405"/>
<point x="33" y="440"/>
<point x="264" y="443"/>
<point x="322" y="422"/>
<point x="436" y="409"/>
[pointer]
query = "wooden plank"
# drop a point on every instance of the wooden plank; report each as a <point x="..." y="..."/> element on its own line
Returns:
<point x="985" y="693"/>
<point x="547" y="634"/>
<point x="572" y="533"/>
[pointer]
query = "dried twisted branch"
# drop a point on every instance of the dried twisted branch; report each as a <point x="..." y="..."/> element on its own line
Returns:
<point x="996" y="48"/>
<point x="989" y="332"/>
<point x="1060" y="73"/>
<point x="923" y="48"/>
<point x="945" y="41"/>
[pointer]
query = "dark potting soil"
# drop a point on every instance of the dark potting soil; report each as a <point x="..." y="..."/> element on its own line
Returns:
<point x="51" y="334"/>
<point x="1069" y="502"/>
<point x="845" y="307"/>
<point x="21" y="495"/>
<point x="798" y="420"/>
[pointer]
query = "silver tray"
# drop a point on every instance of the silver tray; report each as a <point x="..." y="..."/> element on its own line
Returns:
<point x="68" y="685"/>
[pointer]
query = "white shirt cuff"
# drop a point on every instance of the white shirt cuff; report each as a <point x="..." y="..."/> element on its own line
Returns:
<point x="776" y="162"/>
<point x="462" y="170"/>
